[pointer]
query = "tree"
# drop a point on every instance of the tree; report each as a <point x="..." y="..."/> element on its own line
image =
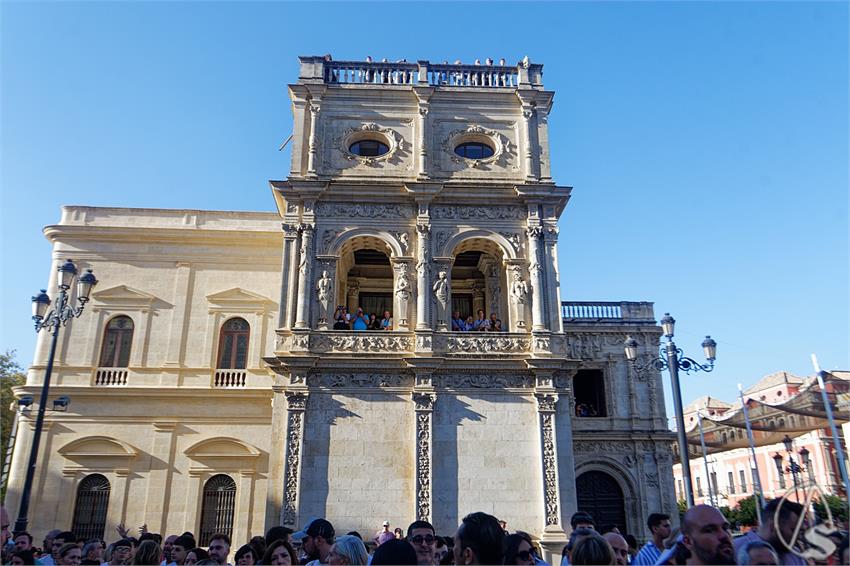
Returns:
<point x="11" y="375"/>
<point x="837" y="507"/>
<point x="745" y="511"/>
<point x="683" y="507"/>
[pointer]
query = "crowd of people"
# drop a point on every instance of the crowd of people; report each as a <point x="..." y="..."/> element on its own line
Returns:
<point x="361" y="320"/>
<point x="480" y="324"/>
<point x="704" y="538"/>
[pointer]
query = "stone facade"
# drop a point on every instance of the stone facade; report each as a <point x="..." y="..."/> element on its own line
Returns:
<point x="417" y="422"/>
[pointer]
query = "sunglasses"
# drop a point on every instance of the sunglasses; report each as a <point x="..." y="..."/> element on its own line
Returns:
<point x="419" y="539"/>
<point x="524" y="555"/>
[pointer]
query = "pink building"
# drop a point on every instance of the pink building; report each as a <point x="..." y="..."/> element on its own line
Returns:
<point x="779" y="405"/>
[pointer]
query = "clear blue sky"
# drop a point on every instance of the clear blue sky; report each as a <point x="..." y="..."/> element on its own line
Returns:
<point x="707" y="143"/>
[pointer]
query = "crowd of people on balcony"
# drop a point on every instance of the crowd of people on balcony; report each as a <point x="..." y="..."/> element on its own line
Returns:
<point x="480" y="324"/>
<point x="704" y="537"/>
<point x="359" y="320"/>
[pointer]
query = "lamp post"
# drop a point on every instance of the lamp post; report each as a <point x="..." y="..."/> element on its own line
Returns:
<point x="672" y="358"/>
<point x="62" y="312"/>
<point x="793" y="466"/>
<point x="807" y="463"/>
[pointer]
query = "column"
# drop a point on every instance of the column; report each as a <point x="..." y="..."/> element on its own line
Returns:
<point x="527" y="114"/>
<point x="315" y="108"/>
<point x="422" y="171"/>
<point x="277" y="457"/>
<point x="550" y="259"/>
<point x="553" y="533"/>
<point x="179" y="314"/>
<point x="296" y="407"/>
<point x="287" y="276"/>
<point x="424" y="406"/>
<point x="305" y="270"/>
<point x="423" y="271"/>
<point x="401" y="295"/>
<point x="537" y="321"/>
<point x="353" y="295"/>
<point x="442" y="291"/>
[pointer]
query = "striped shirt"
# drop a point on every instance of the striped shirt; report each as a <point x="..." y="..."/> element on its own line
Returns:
<point x="648" y="555"/>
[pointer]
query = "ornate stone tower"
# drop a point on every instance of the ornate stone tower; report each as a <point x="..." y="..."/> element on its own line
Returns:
<point x="425" y="190"/>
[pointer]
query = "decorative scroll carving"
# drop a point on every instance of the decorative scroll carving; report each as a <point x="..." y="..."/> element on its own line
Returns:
<point x="389" y="136"/>
<point x="651" y="479"/>
<point x="550" y="490"/>
<point x="514" y="240"/>
<point x="349" y="343"/>
<point x="486" y="345"/>
<point x="423" y="342"/>
<point x="546" y="403"/>
<point x="296" y="401"/>
<point x="290" y="230"/>
<point x="478" y="212"/>
<point x="331" y="380"/>
<point x="327" y="239"/>
<point x="359" y="210"/>
<point x="481" y="381"/>
<point x="502" y="151"/>
<point x="424" y="401"/>
<point x="291" y="208"/>
<point x="442" y="238"/>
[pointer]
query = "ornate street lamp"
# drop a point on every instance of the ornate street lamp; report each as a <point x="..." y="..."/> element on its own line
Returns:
<point x="63" y="311"/>
<point x="672" y="358"/>
<point x="804" y="457"/>
<point x="777" y="459"/>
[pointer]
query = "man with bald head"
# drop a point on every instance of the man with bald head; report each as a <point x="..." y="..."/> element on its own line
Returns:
<point x="705" y="532"/>
<point x="620" y="546"/>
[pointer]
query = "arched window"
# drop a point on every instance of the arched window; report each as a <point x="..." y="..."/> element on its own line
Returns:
<point x="218" y="506"/>
<point x="233" y="344"/>
<point x="90" y="508"/>
<point x="117" y="342"/>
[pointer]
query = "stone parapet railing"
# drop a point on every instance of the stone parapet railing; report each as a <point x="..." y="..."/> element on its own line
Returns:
<point x="110" y="377"/>
<point x="420" y="73"/>
<point x="229" y="378"/>
<point x="602" y="311"/>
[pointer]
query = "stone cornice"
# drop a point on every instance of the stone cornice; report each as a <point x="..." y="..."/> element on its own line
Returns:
<point x="148" y="234"/>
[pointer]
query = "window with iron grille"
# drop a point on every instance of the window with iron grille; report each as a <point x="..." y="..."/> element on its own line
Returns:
<point x="90" y="507"/>
<point x="117" y="341"/>
<point x="217" y="508"/>
<point x="233" y="344"/>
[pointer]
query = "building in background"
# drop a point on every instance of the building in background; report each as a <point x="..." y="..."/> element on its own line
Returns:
<point x="780" y="405"/>
<point x="210" y="392"/>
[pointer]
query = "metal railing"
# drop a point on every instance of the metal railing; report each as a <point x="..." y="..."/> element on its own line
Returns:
<point x="589" y="311"/>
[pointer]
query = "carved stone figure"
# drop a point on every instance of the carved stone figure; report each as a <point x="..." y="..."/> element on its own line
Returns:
<point x="402" y="293"/>
<point x="519" y="290"/>
<point x="441" y="291"/>
<point x="324" y="288"/>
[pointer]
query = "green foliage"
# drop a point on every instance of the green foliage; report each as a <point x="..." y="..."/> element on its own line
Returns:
<point x="11" y="375"/>
<point x="745" y="511"/>
<point x="730" y="514"/>
<point x="837" y="506"/>
<point x="683" y="506"/>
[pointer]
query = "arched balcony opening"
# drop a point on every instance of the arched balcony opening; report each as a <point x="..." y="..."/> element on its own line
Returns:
<point x="366" y="281"/>
<point x="478" y="284"/>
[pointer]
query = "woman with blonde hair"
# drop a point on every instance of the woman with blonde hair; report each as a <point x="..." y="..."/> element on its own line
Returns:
<point x="148" y="553"/>
<point x="592" y="549"/>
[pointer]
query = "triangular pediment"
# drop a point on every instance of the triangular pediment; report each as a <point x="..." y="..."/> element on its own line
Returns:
<point x="238" y="297"/>
<point x="122" y="295"/>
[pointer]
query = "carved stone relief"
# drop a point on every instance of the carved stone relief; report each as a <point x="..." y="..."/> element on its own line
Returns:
<point x="370" y="130"/>
<point x="332" y="380"/>
<point x="359" y="210"/>
<point x="486" y="345"/>
<point x="443" y="212"/>
<point x="482" y="381"/>
<point x="503" y="149"/>
<point x="550" y="492"/>
<point x="350" y="343"/>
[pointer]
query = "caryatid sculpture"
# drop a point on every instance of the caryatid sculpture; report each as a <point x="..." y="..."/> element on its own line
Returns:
<point x="402" y="293"/>
<point x="324" y="288"/>
<point x="441" y="292"/>
<point x="519" y="297"/>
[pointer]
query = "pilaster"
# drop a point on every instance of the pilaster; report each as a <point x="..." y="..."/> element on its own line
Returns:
<point x="277" y="455"/>
<point x="535" y="233"/>
<point x="554" y="536"/>
<point x="423" y="400"/>
<point x="288" y="276"/>
<point x="423" y="272"/>
<point x="305" y="270"/>
<point x="180" y="314"/>
<point x="296" y="402"/>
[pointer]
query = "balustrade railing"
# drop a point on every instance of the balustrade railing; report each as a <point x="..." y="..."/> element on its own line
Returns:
<point x="106" y="377"/>
<point x="229" y="378"/>
<point x="362" y="72"/>
<point x="588" y="311"/>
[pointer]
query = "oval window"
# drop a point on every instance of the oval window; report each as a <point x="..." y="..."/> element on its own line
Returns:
<point x="368" y="148"/>
<point x="474" y="150"/>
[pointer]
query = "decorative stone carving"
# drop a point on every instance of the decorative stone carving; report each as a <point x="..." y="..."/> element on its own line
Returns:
<point x="442" y="238"/>
<point x="423" y="342"/>
<point x="404" y="241"/>
<point x="296" y="404"/>
<point x="546" y="403"/>
<point x="584" y="345"/>
<point x="441" y="292"/>
<point x="423" y="458"/>
<point x="299" y="342"/>
<point x="608" y="446"/>
<point x="306" y="241"/>
<point x="424" y="401"/>
<point x="327" y="239"/>
<point x="290" y="230"/>
<point x="550" y="477"/>
<point x="481" y="381"/>
<point x="542" y="343"/>
<point x="502" y="147"/>
<point x="478" y="212"/>
<point x="334" y="380"/>
<point x="359" y="343"/>
<point x="359" y="210"/>
<point x="487" y="344"/>
<point x="651" y="479"/>
<point x="514" y="240"/>
<point x="402" y="293"/>
<point x="369" y="130"/>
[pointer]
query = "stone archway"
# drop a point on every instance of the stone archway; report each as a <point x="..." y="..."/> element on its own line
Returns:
<point x="599" y="494"/>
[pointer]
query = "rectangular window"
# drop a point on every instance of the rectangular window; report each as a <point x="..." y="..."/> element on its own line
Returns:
<point x="699" y="487"/>
<point x="714" y="481"/>
<point x="731" y="482"/>
<point x="743" y="481"/>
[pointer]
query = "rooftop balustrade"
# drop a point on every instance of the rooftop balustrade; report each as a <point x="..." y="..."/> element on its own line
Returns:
<point x="607" y="311"/>
<point x="421" y="73"/>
